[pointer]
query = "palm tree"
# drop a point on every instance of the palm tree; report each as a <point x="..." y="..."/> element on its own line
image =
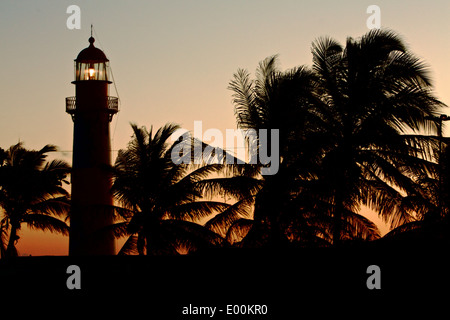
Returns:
<point x="161" y="200"/>
<point x="378" y="96"/>
<point x="31" y="192"/>
<point x="343" y="138"/>
<point x="285" y="209"/>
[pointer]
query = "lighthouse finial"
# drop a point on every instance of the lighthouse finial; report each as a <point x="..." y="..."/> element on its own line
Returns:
<point x="91" y="39"/>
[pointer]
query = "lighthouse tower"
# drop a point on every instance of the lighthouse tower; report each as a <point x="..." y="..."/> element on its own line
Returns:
<point x="92" y="111"/>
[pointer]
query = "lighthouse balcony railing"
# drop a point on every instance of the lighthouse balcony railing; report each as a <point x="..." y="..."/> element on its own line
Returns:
<point x="112" y="104"/>
<point x="71" y="105"/>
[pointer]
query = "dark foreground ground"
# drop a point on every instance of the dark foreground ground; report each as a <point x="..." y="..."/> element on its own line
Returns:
<point x="292" y="284"/>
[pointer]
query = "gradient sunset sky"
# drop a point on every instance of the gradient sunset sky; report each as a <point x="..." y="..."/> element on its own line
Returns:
<point x="172" y="61"/>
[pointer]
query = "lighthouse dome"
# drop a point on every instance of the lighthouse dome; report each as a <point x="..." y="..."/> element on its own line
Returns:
<point x="91" y="64"/>
<point x="91" y="54"/>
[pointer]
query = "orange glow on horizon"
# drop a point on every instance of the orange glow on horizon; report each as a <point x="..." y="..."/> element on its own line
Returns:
<point x="40" y="243"/>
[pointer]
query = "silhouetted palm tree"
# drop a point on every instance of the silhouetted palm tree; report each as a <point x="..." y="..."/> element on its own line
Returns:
<point x="376" y="92"/>
<point x="31" y="192"/>
<point x="290" y="206"/>
<point x="161" y="200"/>
<point x="343" y="137"/>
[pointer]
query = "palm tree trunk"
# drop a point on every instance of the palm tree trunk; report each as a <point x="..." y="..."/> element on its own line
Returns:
<point x="141" y="244"/>
<point x="275" y="232"/>
<point x="337" y="220"/>
<point x="340" y="183"/>
<point x="339" y="196"/>
<point x="152" y="233"/>
<point x="11" y="250"/>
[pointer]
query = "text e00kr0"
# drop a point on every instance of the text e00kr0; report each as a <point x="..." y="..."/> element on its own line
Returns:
<point x="231" y="309"/>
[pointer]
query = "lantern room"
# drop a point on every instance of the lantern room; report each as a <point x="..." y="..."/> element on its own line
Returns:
<point x="91" y="64"/>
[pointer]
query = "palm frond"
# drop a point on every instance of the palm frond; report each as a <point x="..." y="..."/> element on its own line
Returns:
<point x="237" y="187"/>
<point x="58" y="206"/>
<point x="359" y="227"/>
<point x="195" y="210"/>
<point x="3" y="237"/>
<point x="221" y="222"/>
<point x="45" y="223"/>
<point x="238" y="230"/>
<point x="129" y="247"/>
<point x="326" y="53"/>
<point x="243" y="99"/>
<point x="406" y="227"/>
<point x="190" y="235"/>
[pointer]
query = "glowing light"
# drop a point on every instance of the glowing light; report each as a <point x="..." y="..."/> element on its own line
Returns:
<point x="91" y="73"/>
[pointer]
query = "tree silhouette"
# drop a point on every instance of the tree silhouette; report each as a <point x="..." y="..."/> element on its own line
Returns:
<point x="31" y="192"/>
<point x="284" y="210"/>
<point x="376" y="92"/>
<point x="348" y="135"/>
<point x="161" y="200"/>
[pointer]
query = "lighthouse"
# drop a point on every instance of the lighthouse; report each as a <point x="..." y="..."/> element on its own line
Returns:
<point x="92" y="110"/>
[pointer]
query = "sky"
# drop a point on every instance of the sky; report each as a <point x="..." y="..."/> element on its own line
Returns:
<point x="172" y="61"/>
